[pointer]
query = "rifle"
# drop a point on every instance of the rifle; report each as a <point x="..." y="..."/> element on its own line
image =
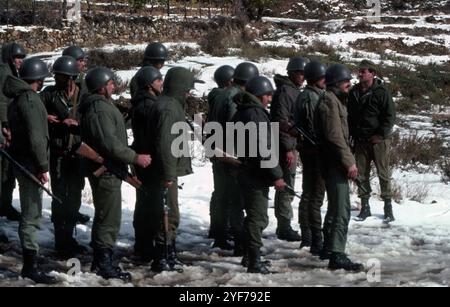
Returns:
<point x="166" y="221"/>
<point x="29" y="175"/>
<point x="86" y="151"/>
<point x="230" y="159"/>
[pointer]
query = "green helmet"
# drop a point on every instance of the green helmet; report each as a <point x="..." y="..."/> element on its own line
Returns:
<point x="259" y="86"/>
<point x="75" y="52"/>
<point x="223" y="75"/>
<point x="98" y="77"/>
<point x="33" y="69"/>
<point x="146" y="75"/>
<point x="11" y="51"/>
<point x="156" y="51"/>
<point x="337" y="73"/>
<point x="315" y="70"/>
<point x="245" y="71"/>
<point x="66" y="65"/>
<point x="297" y="64"/>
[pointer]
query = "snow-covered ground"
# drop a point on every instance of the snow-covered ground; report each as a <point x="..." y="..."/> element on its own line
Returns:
<point x="413" y="251"/>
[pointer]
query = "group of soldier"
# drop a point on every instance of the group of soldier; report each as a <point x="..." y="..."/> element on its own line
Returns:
<point x="41" y="130"/>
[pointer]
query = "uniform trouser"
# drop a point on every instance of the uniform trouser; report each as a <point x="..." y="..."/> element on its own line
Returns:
<point x="283" y="200"/>
<point x="107" y="196"/>
<point x="8" y="182"/>
<point x="256" y="202"/>
<point x="365" y="153"/>
<point x="338" y="215"/>
<point x="67" y="182"/>
<point x="218" y="206"/>
<point x="313" y="186"/>
<point x="149" y="215"/>
<point x="31" y="206"/>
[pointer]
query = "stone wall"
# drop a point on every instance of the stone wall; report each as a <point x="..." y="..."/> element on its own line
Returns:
<point x="100" y="29"/>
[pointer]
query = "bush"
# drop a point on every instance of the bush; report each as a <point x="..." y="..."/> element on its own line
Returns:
<point x="119" y="59"/>
<point x="413" y="150"/>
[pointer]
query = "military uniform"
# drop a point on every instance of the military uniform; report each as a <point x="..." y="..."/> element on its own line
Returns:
<point x="313" y="185"/>
<point x="7" y="182"/>
<point x="155" y="119"/>
<point x="255" y="181"/>
<point x="372" y="113"/>
<point x="67" y="178"/>
<point x="227" y="196"/>
<point x="28" y="121"/>
<point x="336" y="159"/>
<point x="282" y="111"/>
<point x="103" y="129"/>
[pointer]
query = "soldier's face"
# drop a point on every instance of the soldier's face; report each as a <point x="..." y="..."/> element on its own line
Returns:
<point x="81" y="65"/>
<point x="62" y="81"/>
<point x="266" y="99"/>
<point x="159" y="65"/>
<point x="157" y="86"/>
<point x="345" y="86"/>
<point x="298" y="77"/>
<point x="321" y="83"/>
<point x="110" y="88"/>
<point x="18" y="62"/>
<point x="365" y="75"/>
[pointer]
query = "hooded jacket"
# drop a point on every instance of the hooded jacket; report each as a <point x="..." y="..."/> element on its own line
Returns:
<point x="28" y="123"/>
<point x="334" y="132"/>
<point x="282" y="109"/>
<point x="250" y="110"/>
<point x="7" y="68"/>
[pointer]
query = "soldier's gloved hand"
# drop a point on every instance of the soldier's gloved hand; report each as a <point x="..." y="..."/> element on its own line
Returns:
<point x="143" y="160"/>
<point x="291" y="159"/>
<point x="352" y="172"/>
<point x="279" y="184"/>
<point x="43" y="177"/>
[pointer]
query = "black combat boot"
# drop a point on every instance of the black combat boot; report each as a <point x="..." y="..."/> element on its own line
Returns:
<point x="174" y="262"/>
<point x="223" y="244"/>
<point x="306" y="237"/>
<point x="339" y="261"/>
<point x="365" y="210"/>
<point x="3" y="238"/>
<point x="30" y="269"/>
<point x="161" y="259"/>
<point x="288" y="234"/>
<point x="83" y="218"/>
<point x="65" y="244"/>
<point x="317" y="242"/>
<point x="255" y="265"/>
<point x="103" y="266"/>
<point x="9" y="212"/>
<point x="388" y="214"/>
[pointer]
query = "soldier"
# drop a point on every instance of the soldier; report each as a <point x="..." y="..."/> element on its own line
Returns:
<point x="103" y="129"/>
<point x="67" y="178"/>
<point x="162" y="176"/>
<point x="255" y="180"/>
<point x="150" y="83"/>
<point x="80" y="56"/>
<point x="222" y="112"/>
<point x="155" y="55"/>
<point x="219" y="206"/>
<point x="338" y="166"/>
<point x="3" y="237"/>
<point x="29" y="133"/>
<point x="12" y="57"/>
<point x="282" y="111"/>
<point x="371" y="120"/>
<point x="313" y="185"/>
